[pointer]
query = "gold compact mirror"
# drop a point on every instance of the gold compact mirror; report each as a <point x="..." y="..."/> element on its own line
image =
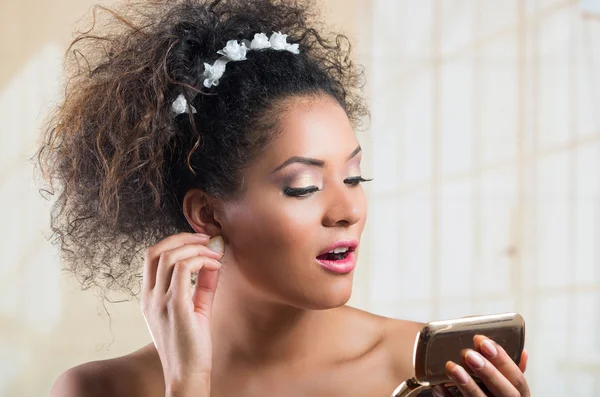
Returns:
<point x="442" y="341"/>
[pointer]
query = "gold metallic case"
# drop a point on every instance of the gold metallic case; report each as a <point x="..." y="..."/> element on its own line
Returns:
<point x="441" y="341"/>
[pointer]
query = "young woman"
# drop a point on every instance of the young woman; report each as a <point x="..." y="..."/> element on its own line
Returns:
<point x="217" y="138"/>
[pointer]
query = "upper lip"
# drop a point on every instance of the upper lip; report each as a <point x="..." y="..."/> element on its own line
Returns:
<point x="350" y="244"/>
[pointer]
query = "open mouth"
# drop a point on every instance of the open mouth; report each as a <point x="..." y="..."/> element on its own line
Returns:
<point x="337" y="254"/>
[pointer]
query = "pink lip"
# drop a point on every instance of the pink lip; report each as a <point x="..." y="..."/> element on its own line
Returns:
<point x="351" y="244"/>
<point x="342" y="266"/>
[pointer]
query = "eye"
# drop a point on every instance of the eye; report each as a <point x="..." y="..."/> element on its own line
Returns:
<point x="355" y="180"/>
<point x="300" y="192"/>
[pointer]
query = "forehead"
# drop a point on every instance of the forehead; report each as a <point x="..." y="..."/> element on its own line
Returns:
<point x="315" y="127"/>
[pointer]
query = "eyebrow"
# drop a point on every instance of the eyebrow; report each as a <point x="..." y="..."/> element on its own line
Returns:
<point x="313" y="162"/>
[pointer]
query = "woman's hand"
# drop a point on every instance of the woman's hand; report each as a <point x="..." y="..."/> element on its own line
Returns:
<point x="179" y="319"/>
<point x="490" y="363"/>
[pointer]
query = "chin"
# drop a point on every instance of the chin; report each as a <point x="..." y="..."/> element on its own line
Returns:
<point x="331" y="295"/>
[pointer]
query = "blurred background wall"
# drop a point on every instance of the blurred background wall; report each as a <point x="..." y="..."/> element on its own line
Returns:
<point x="484" y="144"/>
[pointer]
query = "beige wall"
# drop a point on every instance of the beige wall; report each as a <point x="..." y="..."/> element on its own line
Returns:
<point x="485" y="144"/>
<point x="46" y="323"/>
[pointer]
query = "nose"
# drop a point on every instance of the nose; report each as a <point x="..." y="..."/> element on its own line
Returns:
<point x="344" y="207"/>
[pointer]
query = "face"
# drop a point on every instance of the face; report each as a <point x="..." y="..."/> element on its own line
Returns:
<point x="302" y="199"/>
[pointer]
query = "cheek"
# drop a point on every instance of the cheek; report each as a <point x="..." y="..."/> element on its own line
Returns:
<point x="269" y="228"/>
<point x="362" y="202"/>
<point x="276" y="229"/>
<point x="274" y="244"/>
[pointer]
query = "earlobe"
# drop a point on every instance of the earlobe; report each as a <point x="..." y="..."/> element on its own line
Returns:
<point x="199" y="213"/>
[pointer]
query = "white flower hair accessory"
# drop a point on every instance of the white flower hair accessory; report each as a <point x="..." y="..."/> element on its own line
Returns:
<point x="279" y="42"/>
<point x="260" y="41"/>
<point x="214" y="72"/>
<point x="180" y="106"/>
<point x="234" y="52"/>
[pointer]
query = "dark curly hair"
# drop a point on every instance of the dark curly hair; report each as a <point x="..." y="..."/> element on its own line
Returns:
<point x="120" y="161"/>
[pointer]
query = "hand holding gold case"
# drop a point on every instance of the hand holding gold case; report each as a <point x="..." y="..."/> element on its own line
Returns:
<point x="441" y="341"/>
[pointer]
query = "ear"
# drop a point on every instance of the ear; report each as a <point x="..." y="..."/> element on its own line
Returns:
<point x="199" y="211"/>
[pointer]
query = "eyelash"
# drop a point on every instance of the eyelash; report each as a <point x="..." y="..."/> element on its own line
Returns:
<point x="356" y="180"/>
<point x="306" y="191"/>
<point x="300" y="192"/>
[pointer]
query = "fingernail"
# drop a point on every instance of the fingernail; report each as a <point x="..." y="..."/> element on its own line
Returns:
<point x="488" y="348"/>
<point x="460" y="375"/>
<point x="217" y="244"/>
<point x="437" y="392"/>
<point x="474" y="359"/>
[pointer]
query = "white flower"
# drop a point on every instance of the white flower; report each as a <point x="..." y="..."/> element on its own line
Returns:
<point x="213" y="73"/>
<point x="278" y="41"/>
<point x="234" y="51"/>
<point x="293" y="48"/>
<point x="180" y="105"/>
<point x="260" y="41"/>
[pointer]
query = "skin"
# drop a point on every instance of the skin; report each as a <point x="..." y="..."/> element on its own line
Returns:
<point x="265" y="319"/>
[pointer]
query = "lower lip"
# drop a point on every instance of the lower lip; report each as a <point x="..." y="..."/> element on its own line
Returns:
<point x="342" y="266"/>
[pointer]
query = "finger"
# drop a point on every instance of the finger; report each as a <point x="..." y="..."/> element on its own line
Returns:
<point x="488" y="374"/>
<point x="523" y="362"/>
<point x="441" y="391"/>
<point x="177" y="240"/>
<point x="182" y="275"/>
<point x="463" y="380"/>
<point x="169" y="243"/>
<point x="168" y="259"/>
<point x="204" y="291"/>
<point x="498" y="357"/>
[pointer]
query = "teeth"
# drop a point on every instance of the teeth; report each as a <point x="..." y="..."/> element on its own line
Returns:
<point x="339" y="250"/>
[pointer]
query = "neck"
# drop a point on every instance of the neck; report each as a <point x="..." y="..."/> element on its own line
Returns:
<point x="250" y="328"/>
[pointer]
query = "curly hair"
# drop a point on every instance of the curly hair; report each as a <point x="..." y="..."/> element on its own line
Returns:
<point x="117" y="158"/>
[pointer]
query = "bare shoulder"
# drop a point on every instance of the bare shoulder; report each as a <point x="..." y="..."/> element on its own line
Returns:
<point x="127" y="375"/>
<point x="393" y="336"/>
<point x="392" y="330"/>
<point x="399" y="338"/>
